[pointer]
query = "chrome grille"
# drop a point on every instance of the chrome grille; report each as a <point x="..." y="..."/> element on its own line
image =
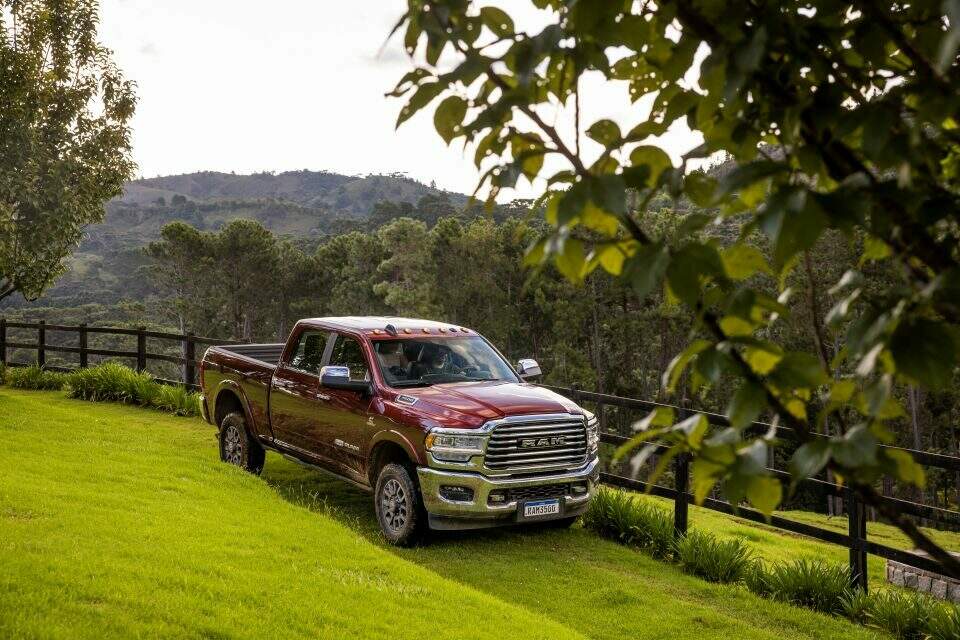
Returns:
<point x="534" y="443"/>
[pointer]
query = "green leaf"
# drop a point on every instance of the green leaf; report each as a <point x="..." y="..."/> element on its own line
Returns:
<point x="424" y="95"/>
<point x="645" y="268"/>
<point x="856" y="448"/>
<point x="798" y="369"/>
<point x="744" y="175"/>
<point x="761" y="360"/>
<point x="874" y="249"/>
<point x="689" y="265"/>
<point x="741" y="261"/>
<point x="694" y="429"/>
<point x="700" y="188"/>
<point x="905" y="467"/>
<point x="764" y="493"/>
<point x="747" y="403"/>
<point x="606" y="132"/>
<point x="497" y="21"/>
<point x="652" y="157"/>
<point x="570" y="259"/>
<point x="809" y="459"/>
<point x="672" y="375"/>
<point x="449" y="116"/>
<point x="704" y="475"/>
<point x="925" y="352"/>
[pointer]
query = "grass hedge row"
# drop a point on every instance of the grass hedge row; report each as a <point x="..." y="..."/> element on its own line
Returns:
<point x="825" y="587"/>
<point x="107" y="382"/>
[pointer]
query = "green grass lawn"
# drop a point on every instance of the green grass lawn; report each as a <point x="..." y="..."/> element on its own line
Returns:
<point x="120" y="522"/>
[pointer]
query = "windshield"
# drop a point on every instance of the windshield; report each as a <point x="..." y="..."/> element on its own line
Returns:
<point x="420" y="362"/>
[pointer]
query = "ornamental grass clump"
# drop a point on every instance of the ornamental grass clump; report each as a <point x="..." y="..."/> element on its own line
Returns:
<point x="35" y="377"/>
<point x="623" y="517"/>
<point x="114" y="382"/>
<point x="904" y="615"/>
<point x="944" y="622"/>
<point x="704" y="555"/>
<point x="815" y="584"/>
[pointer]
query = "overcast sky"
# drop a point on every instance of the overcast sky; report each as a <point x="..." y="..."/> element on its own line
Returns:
<point x="273" y="86"/>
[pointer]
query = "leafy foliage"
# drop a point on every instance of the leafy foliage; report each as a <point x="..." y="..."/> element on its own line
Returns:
<point x="839" y="117"/>
<point x="35" y="377"/>
<point x="64" y="114"/>
<point x="813" y="584"/>
<point x="713" y="559"/>
<point x="114" y="382"/>
<point x="623" y="517"/>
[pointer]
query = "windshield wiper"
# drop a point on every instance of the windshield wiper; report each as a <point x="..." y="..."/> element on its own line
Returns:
<point x="410" y="383"/>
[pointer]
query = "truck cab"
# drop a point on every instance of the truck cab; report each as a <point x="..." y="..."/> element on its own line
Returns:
<point x="429" y="416"/>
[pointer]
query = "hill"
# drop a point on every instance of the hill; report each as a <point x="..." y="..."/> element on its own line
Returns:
<point x="302" y="205"/>
<point x="154" y="537"/>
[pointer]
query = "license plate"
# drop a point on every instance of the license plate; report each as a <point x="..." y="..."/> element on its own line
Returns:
<point x="539" y="508"/>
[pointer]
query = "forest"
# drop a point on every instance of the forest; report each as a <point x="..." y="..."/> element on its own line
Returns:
<point x="465" y="266"/>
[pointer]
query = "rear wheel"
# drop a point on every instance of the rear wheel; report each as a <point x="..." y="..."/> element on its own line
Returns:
<point x="236" y="445"/>
<point x="399" y="506"/>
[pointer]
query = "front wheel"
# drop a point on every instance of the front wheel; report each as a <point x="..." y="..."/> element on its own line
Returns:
<point x="236" y="445"/>
<point x="399" y="506"/>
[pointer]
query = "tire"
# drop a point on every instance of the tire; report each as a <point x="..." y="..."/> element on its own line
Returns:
<point x="236" y="445"/>
<point x="399" y="506"/>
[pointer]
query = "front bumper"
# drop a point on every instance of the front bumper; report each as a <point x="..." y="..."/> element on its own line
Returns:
<point x="479" y="512"/>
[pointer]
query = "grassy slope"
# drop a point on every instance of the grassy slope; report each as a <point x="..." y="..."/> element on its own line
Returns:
<point x="116" y="522"/>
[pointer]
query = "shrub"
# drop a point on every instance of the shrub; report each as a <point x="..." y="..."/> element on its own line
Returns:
<point x="35" y="377"/>
<point x="757" y="579"/>
<point x="618" y="515"/>
<point x="815" y="584"/>
<point x="704" y="555"/>
<point x="903" y="615"/>
<point x="944" y="622"/>
<point x="112" y="381"/>
<point x="177" y="400"/>
<point x="857" y="605"/>
<point x="3" y="373"/>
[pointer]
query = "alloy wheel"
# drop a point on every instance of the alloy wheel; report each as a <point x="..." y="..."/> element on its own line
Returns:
<point x="394" y="504"/>
<point x="232" y="445"/>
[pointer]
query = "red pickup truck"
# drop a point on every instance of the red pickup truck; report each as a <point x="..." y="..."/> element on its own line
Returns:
<point x="429" y="416"/>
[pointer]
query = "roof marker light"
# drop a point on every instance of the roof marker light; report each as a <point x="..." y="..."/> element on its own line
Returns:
<point x="392" y="330"/>
<point x="408" y="330"/>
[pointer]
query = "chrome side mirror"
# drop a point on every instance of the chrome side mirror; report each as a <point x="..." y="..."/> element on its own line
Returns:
<point x="336" y="377"/>
<point x="528" y="368"/>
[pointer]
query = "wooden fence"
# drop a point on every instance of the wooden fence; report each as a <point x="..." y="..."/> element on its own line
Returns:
<point x="855" y="540"/>
<point x="187" y="358"/>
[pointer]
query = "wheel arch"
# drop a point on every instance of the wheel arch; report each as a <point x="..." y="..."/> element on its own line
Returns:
<point x="230" y="397"/>
<point x="387" y="447"/>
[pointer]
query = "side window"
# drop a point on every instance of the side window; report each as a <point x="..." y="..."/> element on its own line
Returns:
<point x="309" y="352"/>
<point x="347" y="353"/>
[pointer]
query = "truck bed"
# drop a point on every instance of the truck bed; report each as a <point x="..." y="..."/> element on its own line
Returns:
<point x="266" y="353"/>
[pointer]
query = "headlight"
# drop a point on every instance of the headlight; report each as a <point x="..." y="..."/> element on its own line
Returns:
<point x="454" y="447"/>
<point x="593" y="432"/>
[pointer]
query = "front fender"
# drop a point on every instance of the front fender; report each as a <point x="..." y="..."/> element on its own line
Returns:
<point x="400" y="439"/>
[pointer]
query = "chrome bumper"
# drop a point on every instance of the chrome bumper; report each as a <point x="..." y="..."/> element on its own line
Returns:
<point x="478" y="512"/>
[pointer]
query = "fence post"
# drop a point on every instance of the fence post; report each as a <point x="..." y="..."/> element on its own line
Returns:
<point x="41" y="343"/>
<point x="3" y="341"/>
<point x="83" y="345"/>
<point x="681" y="472"/>
<point x="857" y="530"/>
<point x="141" y="349"/>
<point x="681" y="483"/>
<point x="190" y="355"/>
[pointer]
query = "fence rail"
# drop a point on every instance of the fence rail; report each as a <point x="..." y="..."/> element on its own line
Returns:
<point x="855" y="540"/>
<point x="187" y="360"/>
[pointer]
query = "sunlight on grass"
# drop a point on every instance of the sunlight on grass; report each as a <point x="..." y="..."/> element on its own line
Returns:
<point x="117" y="522"/>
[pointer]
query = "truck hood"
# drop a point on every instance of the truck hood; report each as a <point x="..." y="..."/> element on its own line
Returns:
<point x="470" y="404"/>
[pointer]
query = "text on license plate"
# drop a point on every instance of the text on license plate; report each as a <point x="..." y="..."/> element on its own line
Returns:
<point x="541" y="508"/>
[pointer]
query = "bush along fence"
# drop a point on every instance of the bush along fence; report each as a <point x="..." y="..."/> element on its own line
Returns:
<point x="187" y="357"/>
<point x="855" y="540"/>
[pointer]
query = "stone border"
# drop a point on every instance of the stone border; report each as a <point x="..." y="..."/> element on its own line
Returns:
<point x="935" y="584"/>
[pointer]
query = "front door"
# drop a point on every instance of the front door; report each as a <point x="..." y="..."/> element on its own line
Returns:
<point x="295" y="396"/>
<point x="344" y="415"/>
